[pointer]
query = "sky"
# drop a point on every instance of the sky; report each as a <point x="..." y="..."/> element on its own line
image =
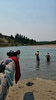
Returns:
<point x="35" y="19"/>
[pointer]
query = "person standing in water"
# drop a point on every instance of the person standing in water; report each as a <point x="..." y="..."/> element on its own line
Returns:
<point x="48" y="57"/>
<point x="37" y="57"/>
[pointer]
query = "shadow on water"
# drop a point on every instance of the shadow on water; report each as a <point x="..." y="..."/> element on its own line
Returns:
<point x="28" y="96"/>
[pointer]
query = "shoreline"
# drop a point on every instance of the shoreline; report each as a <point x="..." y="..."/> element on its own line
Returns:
<point x="40" y="89"/>
<point x="45" y="46"/>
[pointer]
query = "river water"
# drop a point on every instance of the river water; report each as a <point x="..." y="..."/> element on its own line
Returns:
<point x="28" y="65"/>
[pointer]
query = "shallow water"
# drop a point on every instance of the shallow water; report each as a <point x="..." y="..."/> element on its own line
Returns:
<point x="28" y="65"/>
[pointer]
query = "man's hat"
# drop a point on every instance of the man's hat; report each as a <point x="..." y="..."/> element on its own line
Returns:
<point x="12" y="53"/>
<point x="18" y="52"/>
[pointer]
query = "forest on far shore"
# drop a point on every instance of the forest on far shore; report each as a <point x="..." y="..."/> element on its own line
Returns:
<point x="19" y="39"/>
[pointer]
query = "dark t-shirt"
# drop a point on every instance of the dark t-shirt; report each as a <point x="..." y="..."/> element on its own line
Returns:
<point x="37" y="56"/>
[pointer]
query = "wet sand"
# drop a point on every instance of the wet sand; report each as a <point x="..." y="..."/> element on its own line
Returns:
<point x="33" y="89"/>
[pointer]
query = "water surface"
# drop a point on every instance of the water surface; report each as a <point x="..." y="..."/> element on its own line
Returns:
<point x="28" y="65"/>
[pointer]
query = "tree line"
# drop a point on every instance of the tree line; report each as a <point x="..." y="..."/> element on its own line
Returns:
<point x="19" y="39"/>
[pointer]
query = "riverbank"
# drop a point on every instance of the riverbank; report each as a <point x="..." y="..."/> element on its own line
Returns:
<point x="45" y="46"/>
<point x="35" y="88"/>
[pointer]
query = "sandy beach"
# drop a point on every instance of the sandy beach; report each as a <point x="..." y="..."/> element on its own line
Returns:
<point x="33" y="89"/>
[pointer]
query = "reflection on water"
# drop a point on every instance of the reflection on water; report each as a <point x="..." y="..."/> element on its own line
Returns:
<point x="48" y="62"/>
<point x="38" y="65"/>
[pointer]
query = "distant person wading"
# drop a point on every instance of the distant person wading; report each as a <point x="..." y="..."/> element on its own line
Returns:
<point x="37" y="56"/>
<point x="48" y="57"/>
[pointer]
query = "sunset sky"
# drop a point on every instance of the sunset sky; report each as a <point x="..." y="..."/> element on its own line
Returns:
<point x="35" y="19"/>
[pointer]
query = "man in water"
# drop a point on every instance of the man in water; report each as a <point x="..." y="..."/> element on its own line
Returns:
<point x="48" y="56"/>
<point x="37" y="56"/>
